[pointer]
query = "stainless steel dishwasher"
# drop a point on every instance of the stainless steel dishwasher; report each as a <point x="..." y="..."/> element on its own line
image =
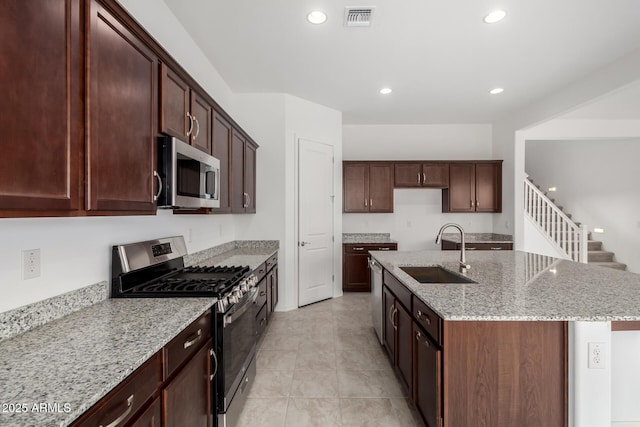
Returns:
<point x="376" y="297"/>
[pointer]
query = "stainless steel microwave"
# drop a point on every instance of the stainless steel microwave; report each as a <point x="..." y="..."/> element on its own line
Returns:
<point x="189" y="178"/>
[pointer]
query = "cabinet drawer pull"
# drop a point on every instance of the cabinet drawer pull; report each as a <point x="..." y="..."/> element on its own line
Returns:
<point x="496" y="249"/>
<point x="422" y="316"/>
<point x="470" y="248"/>
<point x="384" y="249"/>
<point x="358" y="249"/>
<point x="189" y="343"/>
<point x="122" y="416"/>
<point x="262" y="293"/>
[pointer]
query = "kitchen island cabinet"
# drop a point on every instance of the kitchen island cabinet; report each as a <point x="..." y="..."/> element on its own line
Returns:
<point x="496" y="352"/>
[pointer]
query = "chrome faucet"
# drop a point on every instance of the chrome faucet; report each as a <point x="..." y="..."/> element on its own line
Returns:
<point x="463" y="262"/>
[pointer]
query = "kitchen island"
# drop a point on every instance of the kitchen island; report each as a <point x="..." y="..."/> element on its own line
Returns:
<point x="495" y="352"/>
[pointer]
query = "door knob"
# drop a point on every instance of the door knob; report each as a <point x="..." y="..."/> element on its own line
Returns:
<point x="305" y="243"/>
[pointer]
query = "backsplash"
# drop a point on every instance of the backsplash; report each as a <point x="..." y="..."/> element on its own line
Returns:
<point x="22" y="319"/>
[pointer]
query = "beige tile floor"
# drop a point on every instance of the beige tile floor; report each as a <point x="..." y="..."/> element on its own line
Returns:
<point x="322" y="366"/>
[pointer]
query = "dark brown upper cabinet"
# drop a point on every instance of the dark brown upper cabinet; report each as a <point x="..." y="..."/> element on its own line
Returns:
<point x="121" y="135"/>
<point x="367" y="187"/>
<point x="221" y="150"/>
<point x="183" y="113"/>
<point x="421" y="175"/>
<point x="243" y="174"/>
<point x="41" y="114"/>
<point x="474" y="187"/>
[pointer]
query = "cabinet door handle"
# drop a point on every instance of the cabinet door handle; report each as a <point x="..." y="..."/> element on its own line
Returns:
<point x="391" y="308"/>
<point x="191" y="342"/>
<point x="215" y="361"/>
<point x="424" y="178"/>
<point x="155" y="197"/>
<point x="190" y="124"/>
<point x="365" y="203"/>
<point x="246" y="202"/>
<point x="418" y="177"/>
<point x="477" y="204"/>
<point x="395" y="316"/>
<point x="422" y="316"/>
<point x="370" y="203"/>
<point x="423" y="341"/>
<point x="471" y="203"/>
<point x="195" y="119"/>
<point x="122" y="416"/>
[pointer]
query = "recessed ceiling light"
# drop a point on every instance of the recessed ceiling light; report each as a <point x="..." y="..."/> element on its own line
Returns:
<point x="385" y="90"/>
<point x="317" y="17"/>
<point x="496" y="91"/>
<point x="495" y="16"/>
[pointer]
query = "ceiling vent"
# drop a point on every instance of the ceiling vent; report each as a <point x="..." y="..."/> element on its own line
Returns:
<point x="358" y="16"/>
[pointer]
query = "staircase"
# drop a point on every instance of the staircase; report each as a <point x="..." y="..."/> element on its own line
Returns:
<point x="569" y="236"/>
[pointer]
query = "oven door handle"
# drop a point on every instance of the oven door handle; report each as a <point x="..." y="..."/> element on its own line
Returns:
<point x="231" y="317"/>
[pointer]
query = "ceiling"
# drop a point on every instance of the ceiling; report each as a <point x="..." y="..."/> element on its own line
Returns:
<point x="439" y="57"/>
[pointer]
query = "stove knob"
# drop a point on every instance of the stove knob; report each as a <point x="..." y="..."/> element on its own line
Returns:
<point x="222" y="304"/>
<point x="238" y="294"/>
<point x="232" y="299"/>
<point x="244" y="286"/>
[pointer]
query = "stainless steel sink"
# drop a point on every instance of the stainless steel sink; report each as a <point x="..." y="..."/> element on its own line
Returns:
<point x="435" y="274"/>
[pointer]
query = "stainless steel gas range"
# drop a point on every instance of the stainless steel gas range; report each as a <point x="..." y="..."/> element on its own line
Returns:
<point x="155" y="269"/>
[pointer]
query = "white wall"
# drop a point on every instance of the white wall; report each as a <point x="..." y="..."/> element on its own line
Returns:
<point x="417" y="214"/>
<point x="595" y="183"/>
<point x="277" y="121"/>
<point x="625" y="373"/>
<point x="508" y="142"/>
<point x="76" y="252"/>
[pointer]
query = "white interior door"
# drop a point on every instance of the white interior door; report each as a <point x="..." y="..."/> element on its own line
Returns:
<point x="315" y="222"/>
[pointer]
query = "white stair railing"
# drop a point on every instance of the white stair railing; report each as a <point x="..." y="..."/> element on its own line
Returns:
<point x="559" y="228"/>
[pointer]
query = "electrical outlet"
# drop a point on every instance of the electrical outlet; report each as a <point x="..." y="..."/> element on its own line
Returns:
<point x="30" y="264"/>
<point x="596" y="355"/>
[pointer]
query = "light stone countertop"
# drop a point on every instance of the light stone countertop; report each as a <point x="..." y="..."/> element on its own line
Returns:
<point x="478" y="237"/>
<point x="514" y="285"/>
<point x="252" y="257"/>
<point x="356" y="238"/>
<point x="79" y="358"/>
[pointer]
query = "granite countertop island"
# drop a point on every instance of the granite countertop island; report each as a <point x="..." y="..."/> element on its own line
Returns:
<point x="77" y="359"/>
<point x="514" y="285"/>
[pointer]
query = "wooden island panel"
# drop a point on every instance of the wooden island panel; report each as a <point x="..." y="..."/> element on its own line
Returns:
<point x="504" y="374"/>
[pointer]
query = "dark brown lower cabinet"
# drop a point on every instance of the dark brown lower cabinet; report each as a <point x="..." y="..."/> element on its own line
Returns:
<point x="427" y="378"/>
<point x="356" y="276"/>
<point x="187" y="398"/>
<point x="151" y="417"/>
<point x="397" y="337"/>
<point x="476" y="373"/>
